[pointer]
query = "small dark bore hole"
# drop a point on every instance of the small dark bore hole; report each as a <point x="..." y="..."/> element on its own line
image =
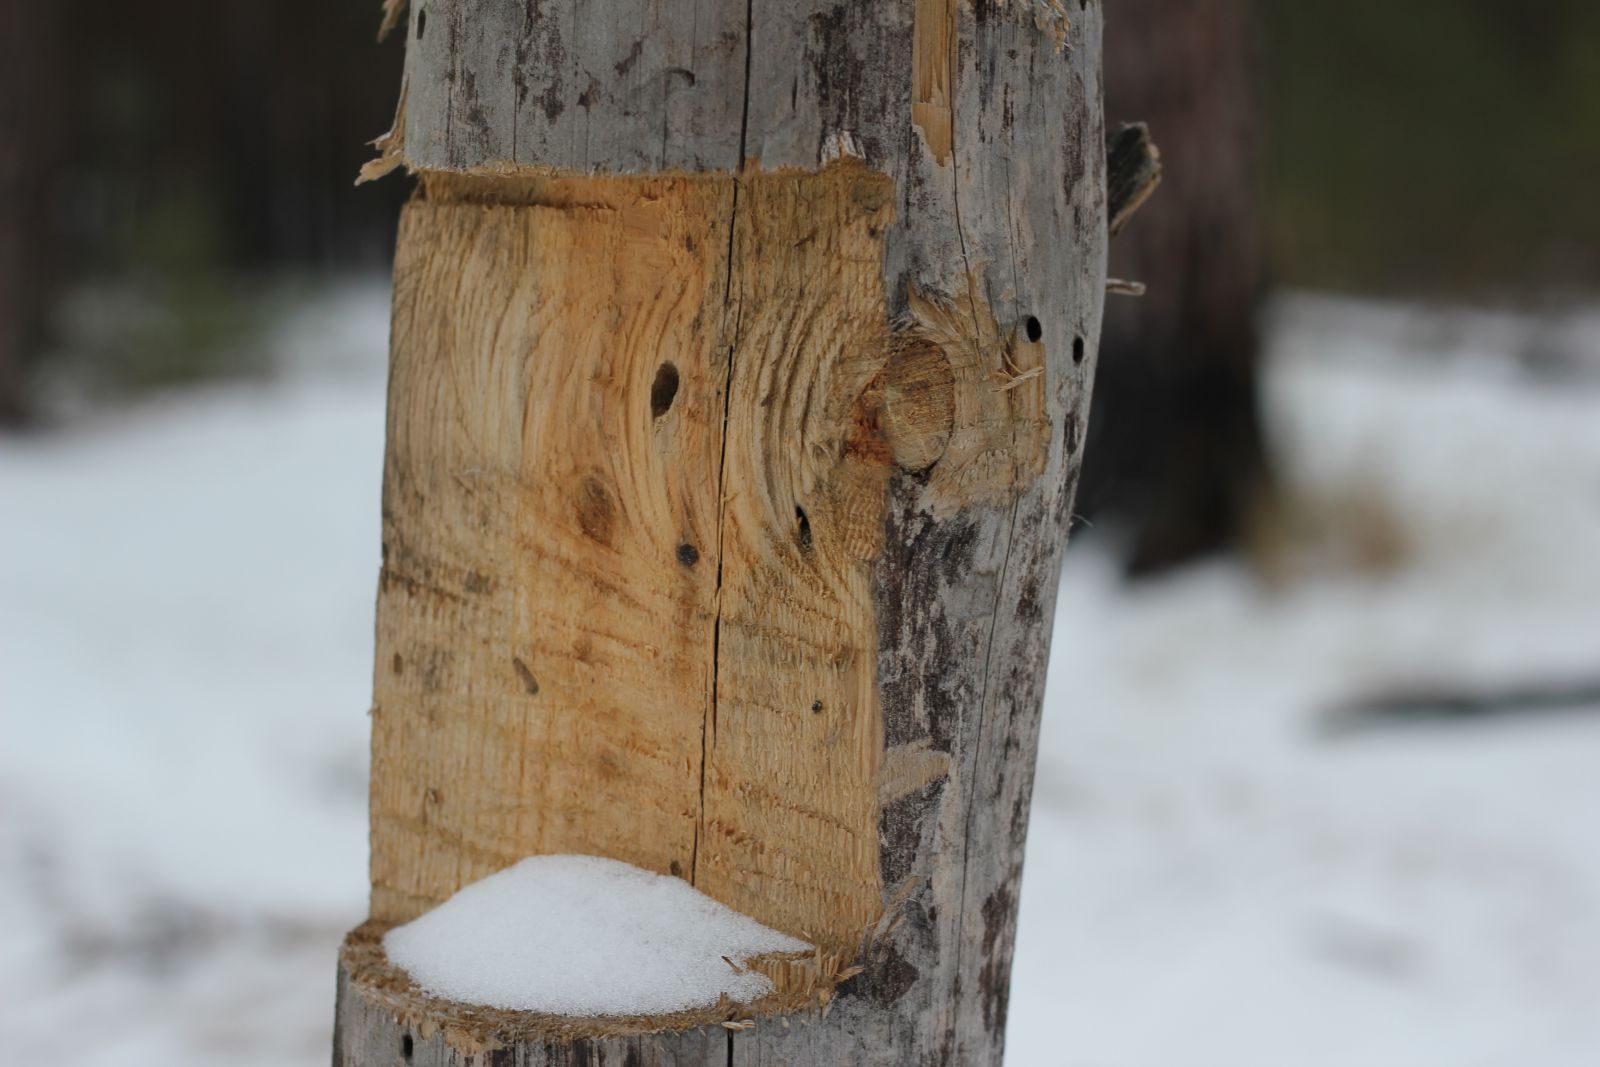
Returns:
<point x="529" y="683"/>
<point x="1077" y="350"/>
<point x="816" y="707"/>
<point x="1035" y="331"/>
<point x="407" y="1047"/>
<point x="422" y="28"/>
<point x="663" y="390"/>
<point x="676" y="868"/>
<point x="804" y="533"/>
<point x="688" y="555"/>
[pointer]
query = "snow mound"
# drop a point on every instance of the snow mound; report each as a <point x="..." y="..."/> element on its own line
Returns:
<point x="581" y="935"/>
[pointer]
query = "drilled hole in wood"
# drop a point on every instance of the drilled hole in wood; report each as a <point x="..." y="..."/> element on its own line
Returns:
<point x="1077" y="350"/>
<point x="407" y="1048"/>
<point x="422" y="27"/>
<point x="804" y="532"/>
<point x="688" y="555"/>
<point x="1034" y="330"/>
<point x="663" y="390"/>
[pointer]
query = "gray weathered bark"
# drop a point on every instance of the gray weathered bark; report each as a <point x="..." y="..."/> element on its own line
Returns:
<point x="1005" y="214"/>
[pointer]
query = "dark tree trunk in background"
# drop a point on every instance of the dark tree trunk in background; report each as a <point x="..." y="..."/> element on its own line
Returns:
<point x="1175" y="447"/>
<point x="244" y="121"/>
<point x="179" y="143"/>
<point x="29" y="40"/>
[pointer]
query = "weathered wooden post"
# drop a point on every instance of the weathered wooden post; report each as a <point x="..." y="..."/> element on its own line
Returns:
<point x="740" y="365"/>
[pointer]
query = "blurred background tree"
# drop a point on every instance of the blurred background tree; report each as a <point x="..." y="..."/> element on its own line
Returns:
<point x="165" y="162"/>
<point x="1445" y="148"/>
<point x="1429" y="150"/>
<point x="169" y="160"/>
<point x="1175" y="448"/>
<point x="30" y="39"/>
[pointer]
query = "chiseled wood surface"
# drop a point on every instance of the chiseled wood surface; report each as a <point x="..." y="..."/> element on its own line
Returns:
<point x="626" y="607"/>
<point x="882" y="375"/>
<point x="541" y="648"/>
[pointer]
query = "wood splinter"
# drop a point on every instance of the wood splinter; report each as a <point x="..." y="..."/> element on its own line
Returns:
<point x="1133" y="170"/>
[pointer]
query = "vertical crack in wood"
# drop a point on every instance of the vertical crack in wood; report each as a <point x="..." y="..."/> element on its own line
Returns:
<point x="972" y="281"/>
<point x="518" y="84"/>
<point x="968" y="784"/>
<point x="709" y="725"/>
<point x="453" y="28"/>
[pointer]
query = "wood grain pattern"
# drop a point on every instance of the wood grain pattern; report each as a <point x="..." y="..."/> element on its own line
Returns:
<point x="542" y="648"/>
<point x="794" y="734"/>
<point x="626" y="600"/>
<point x="985" y="278"/>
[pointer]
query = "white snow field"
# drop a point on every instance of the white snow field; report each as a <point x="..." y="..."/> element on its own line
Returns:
<point x="585" y="936"/>
<point x="1214" y="879"/>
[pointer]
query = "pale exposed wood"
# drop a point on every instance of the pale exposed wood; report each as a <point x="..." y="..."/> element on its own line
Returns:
<point x="543" y="649"/>
<point x="392" y="11"/>
<point x="900" y="348"/>
<point x="793" y="733"/>
<point x="932" y="67"/>
<point x="594" y="582"/>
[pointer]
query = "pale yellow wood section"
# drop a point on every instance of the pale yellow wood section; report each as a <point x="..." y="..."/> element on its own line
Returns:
<point x="795" y="738"/>
<point x="933" y="75"/>
<point x="546" y="612"/>
<point x="641" y="432"/>
<point x="997" y="435"/>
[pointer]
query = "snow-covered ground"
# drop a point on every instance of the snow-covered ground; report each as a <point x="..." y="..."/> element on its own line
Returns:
<point x="1215" y="877"/>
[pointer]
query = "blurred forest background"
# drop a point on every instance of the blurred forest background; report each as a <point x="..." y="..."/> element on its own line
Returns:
<point x="167" y="166"/>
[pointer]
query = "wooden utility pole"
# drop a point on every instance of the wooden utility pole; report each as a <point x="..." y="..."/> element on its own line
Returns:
<point x="740" y="367"/>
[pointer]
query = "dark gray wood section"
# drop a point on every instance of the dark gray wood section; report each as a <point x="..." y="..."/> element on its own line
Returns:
<point x="1014" y="222"/>
<point x="966" y="602"/>
<point x="646" y="85"/>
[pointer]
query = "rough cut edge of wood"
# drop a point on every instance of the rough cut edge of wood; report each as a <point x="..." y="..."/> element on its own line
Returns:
<point x="495" y="183"/>
<point x="803" y="985"/>
<point x="391" y="146"/>
<point x="392" y="11"/>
